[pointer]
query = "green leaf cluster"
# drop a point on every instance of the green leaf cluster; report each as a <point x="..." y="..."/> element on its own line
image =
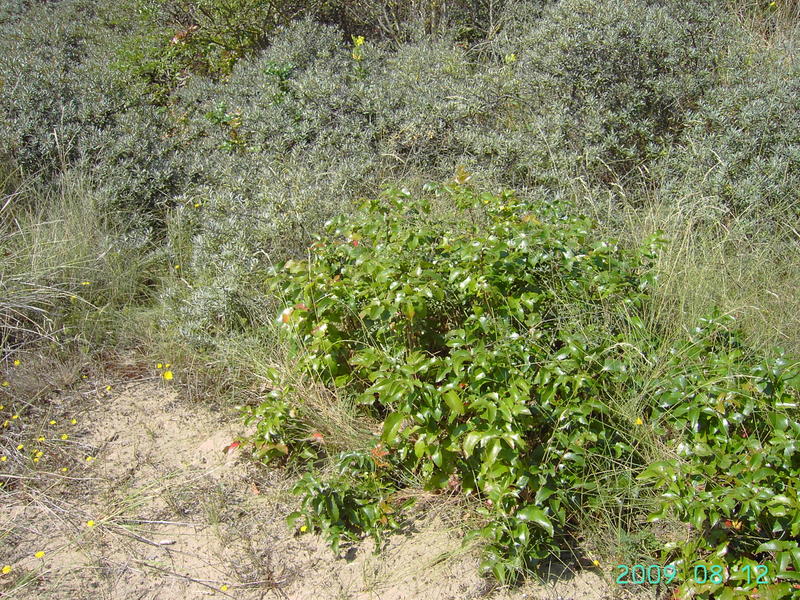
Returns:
<point x="731" y="421"/>
<point x="466" y="342"/>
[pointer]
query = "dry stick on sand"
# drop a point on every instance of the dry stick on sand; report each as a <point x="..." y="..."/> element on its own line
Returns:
<point x="215" y="585"/>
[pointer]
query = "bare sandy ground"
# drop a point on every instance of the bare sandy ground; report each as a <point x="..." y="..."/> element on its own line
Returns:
<point x="174" y="516"/>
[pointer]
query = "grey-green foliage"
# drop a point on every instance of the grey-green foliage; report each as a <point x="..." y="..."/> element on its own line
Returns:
<point x="741" y="150"/>
<point x="63" y="104"/>
<point x="298" y="132"/>
<point x="39" y="61"/>
<point x="617" y="79"/>
<point x="566" y="93"/>
<point x="12" y="10"/>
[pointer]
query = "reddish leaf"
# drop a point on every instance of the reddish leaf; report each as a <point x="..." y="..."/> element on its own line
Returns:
<point x="231" y="446"/>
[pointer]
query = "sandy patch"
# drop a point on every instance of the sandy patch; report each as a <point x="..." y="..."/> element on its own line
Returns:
<point x="177" y="517"/>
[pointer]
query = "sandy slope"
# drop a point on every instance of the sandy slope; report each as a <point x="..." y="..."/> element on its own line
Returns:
<point x="176" y="517"/>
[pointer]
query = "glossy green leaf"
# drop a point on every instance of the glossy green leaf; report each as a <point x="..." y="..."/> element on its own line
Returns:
<point x="536" y="515"/>
<point x="454" y="402"/>
<point x="391" y="427"/>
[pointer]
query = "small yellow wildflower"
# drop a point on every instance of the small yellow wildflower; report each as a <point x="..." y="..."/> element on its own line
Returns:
<point x="89" y="459"/>
<point x="6" y="569"/>
<point x="6" y="423"/>
<point x="17" y="362"/>
<point x="197" y="205"/>
<point x="90" y="523"/>
<point x="63" y="469"/>
<point x="167" y="366"/>
<point x="159" y="366"/>
<point x="6" y="384"/>
<point x="3" y="458"/>
<point x="639" y="421"/>
<point x="596" y="563"/>
<point x="64" y="436"/>
<point x="20" y="447"/>
<point x="303" y="528"/>
<point x="86" y="283"/>
<point x="36" y="459"/>
<point x="1" y="407"/>
<point x="168" y="375"/>
<point x="74" y="421"/>
<point x="177" y="267"/>
<point x="357" y="43"/>
<point x="108" y="388"/>
<point x="39" y="554"/>
<point x="52" y="422"/>
<point x="15" y="417"/>
<point x="40" y="438"/>
<point x="223" y="588"/>
<point x="39" y="454"/>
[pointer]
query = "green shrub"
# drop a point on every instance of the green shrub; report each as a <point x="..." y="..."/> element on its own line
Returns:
<point x="731" y="420"/>
<point x="174" y="39"/>
<point x="501" y="357"/>
<point x="469" y="346"/>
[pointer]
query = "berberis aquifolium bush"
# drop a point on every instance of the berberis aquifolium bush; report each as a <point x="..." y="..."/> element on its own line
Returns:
<point x="473" y="348"/>
<point x="735" y="480"/>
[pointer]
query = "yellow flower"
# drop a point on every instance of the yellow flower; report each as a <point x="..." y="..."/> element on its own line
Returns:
<point x="167" y="375"/>
<point x="304" y="528"/>
<point x="177" y="267"/>
<point x="39" y="454"/>
<point x="89" y="459"/>
<point x="39" y="554"/>
<point x="108" y="388"/>
<point x="90" y="523"/>
<point x="36" y="460"/>
<point x="1" y="407"/>
<point x="74" y="421"/>
<point x="223" y="588"/>
<point x="3" y="458"/>
<point x="639" y="421"/>
<point x="6" y="423"/>
<point x="15" y="417"/>
<point x="63" y="469"/>
<point x="40" y="438"/>
<point x="596" y="563"/>
<point x="166" y="366"/>
<point x="6" y="384"/>
<point x="17" y="363"/>
<point x="86" y="283"/>
<point x="197" y="205"/>
<point x="358" y="41"/>
<point x="159" y="366"/>
<point x="64" y="436"/>
<point x="6" y="569"/>
<point x="20" y="447"/>
<point x="52" y="422"/>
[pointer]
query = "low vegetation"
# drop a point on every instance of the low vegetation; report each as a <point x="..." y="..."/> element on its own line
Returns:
<point x="536" y="257"/>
